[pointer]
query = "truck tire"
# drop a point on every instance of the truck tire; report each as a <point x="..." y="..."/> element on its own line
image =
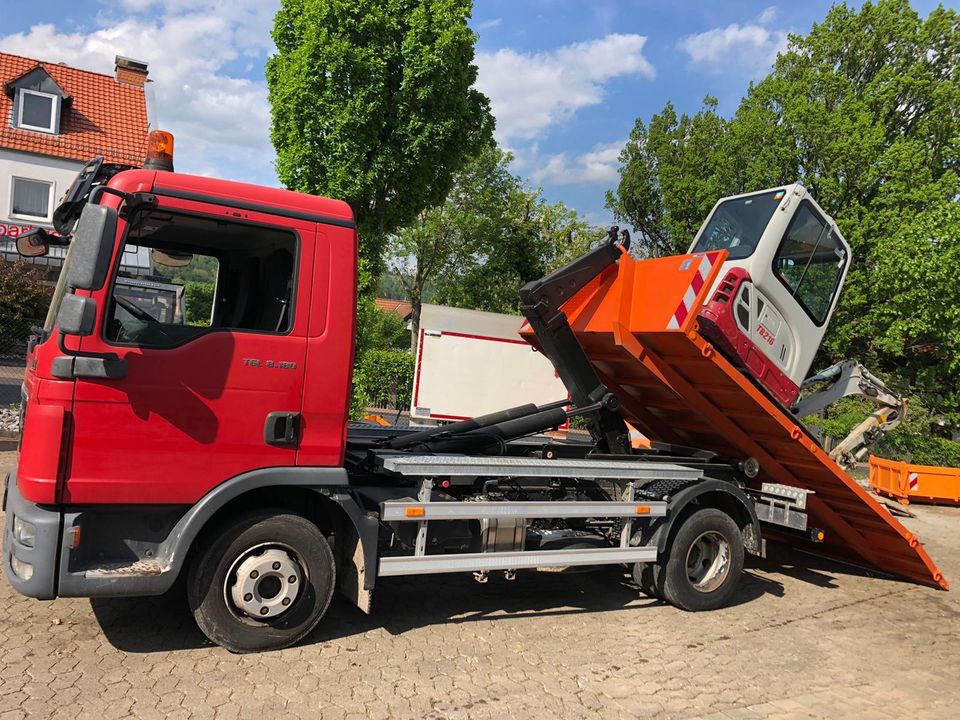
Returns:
<point x="647" y="576"/>
<point x="703" y="563"/>
<point x="262" y="582"/>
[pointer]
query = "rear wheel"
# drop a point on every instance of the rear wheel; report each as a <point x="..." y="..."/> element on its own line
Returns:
<point x="703" y="562"/>
<point x="262" y="583"/>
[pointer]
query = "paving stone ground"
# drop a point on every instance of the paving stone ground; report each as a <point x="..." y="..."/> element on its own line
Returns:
<point x="806" y="639"/>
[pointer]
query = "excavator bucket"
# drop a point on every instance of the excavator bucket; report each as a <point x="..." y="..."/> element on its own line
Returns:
<point x="637" y="323"/>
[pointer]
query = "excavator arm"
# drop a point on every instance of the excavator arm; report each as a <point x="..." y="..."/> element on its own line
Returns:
<point x="851" y="378"/>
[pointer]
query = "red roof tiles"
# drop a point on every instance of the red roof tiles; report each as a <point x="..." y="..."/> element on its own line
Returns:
<point x="104" y="117"/>
<point x="399" y="307"/>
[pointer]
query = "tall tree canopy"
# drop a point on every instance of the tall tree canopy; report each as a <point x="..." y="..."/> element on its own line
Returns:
<point x="373" y="103"/>
<point x="491" y="235"/>
<point x="863" y="112"/>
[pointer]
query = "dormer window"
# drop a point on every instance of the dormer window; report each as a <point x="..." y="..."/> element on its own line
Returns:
<point x="38" y="111"/>
<point x="38" y="102"/>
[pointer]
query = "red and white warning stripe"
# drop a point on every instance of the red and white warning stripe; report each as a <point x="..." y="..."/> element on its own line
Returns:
<point x="690" y="296"/>
<point x="914" y="481"/>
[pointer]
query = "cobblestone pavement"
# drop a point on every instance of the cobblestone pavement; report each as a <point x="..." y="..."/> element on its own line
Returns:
<point x="806" y="639"/>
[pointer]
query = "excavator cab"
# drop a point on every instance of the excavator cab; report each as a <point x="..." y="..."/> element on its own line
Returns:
<point x="786" y="264"/>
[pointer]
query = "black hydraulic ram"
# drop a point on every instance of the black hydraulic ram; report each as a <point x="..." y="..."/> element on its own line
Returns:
<point x="498" y="434"/>
<point x="540" y="302"/>
<point x="446" y="432"/>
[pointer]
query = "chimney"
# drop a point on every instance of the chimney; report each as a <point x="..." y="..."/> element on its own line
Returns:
<point x="130" y="72"/>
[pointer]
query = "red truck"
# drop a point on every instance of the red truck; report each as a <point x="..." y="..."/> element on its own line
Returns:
<point x="223" y="451"/>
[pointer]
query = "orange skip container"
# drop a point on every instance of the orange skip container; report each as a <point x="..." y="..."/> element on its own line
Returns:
<point x="915" y="483"/>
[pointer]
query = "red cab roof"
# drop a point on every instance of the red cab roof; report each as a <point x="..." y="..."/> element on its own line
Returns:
<point x="253" y="197"/>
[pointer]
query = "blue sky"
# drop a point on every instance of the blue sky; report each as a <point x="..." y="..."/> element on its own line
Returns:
<point x="567" y="78"/>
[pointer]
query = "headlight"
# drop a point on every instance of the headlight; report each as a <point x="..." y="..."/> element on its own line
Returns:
<point x="24" y="570"/>
<point x="24" y="533"/>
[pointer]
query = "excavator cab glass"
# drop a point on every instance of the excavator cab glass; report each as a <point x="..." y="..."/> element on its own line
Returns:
<point x="737" y="224"/>
<point x="810" y="262"/>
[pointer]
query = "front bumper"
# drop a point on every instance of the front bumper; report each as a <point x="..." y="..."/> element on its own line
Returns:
<point x="41" y="559"/>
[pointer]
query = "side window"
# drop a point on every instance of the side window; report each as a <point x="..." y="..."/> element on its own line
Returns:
<point x="810" y="262"/>
<point x="181" y="276"/>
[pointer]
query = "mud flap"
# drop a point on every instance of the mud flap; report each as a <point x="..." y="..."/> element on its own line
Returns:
<point x="351" y="566"/>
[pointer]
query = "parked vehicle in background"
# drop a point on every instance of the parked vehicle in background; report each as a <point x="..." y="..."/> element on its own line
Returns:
<point x="471" y="362"/>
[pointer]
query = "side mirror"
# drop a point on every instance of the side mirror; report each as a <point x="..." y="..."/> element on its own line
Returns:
<point x="33" y="243"/>
<point x="92" y="247"/>
<point x="77" y="315"/>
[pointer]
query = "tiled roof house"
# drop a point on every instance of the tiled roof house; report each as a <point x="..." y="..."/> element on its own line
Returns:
<point x="53" y="119"/>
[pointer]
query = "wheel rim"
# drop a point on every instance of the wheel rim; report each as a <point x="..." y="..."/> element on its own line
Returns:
<point x="264" y="582"/>
<point x="708" y="561"/>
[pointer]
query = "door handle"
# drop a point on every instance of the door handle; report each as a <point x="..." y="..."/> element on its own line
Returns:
<point x="282" y="429"/>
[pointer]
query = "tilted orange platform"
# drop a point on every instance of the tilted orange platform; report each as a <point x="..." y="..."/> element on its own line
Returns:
<point x="637" y="322"/>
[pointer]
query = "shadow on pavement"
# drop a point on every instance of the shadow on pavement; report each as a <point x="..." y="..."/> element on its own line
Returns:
<point x="809" y="568"/>
<point x="149" y="624"/>
<point x="403" y="604"/>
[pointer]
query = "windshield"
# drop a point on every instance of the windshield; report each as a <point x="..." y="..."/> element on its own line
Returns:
<point x="737" y="224"/>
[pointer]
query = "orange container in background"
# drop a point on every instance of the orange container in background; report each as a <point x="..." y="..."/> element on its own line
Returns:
<point x="915" y="483"/>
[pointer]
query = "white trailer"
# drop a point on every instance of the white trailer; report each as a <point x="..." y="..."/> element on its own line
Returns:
<point x="471" y="363"/>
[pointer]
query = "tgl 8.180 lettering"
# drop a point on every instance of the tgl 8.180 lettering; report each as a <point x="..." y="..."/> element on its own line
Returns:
<point x="279" y="364"/>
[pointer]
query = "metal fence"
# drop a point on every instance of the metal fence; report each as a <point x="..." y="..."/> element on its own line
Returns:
<point x="14" y="333"/>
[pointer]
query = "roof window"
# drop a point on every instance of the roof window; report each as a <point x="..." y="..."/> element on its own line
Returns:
<point x="38" y="111"/>
<point x="38" y="102"/>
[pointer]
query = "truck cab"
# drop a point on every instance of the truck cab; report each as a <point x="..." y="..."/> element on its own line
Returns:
<point x="124" y="406"/>
<point x="785" y="268"/>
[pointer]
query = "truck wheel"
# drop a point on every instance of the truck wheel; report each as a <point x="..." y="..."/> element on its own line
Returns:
<point x="261" y="583"/>
<point x="704" y="562"/>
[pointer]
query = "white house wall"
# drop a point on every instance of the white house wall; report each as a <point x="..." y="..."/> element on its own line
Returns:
<point x="31" y="167"/>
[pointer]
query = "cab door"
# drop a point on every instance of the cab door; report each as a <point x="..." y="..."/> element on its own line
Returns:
<point x="213" y="387"/>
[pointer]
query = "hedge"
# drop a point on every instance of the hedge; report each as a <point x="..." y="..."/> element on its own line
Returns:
<point x="382" y="378"/>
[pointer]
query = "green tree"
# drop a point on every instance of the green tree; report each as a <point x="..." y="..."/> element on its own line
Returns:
<point x="471" y="219"/>
<point x="492" y="234"/>
<point x="533" y="238"/>
<point x="862" y="111"/>
<point x="23" y="295"/>
<point x="383" y="379"/>
<point x="199" y="302"/>
<point x="373" y="103"/>
<point x="201" y="269"/>
<point x="671" y="175"/>
<point x="565" y="235"/>
<point x="916" y="268"/>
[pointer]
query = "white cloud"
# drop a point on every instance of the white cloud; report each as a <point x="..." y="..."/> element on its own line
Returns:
<point x="220" y="119"/>
<point x="767" y="16"/>
<point x="599" y="166"/>
<point x="752" y="47"/>
<point x="529" y="92"/>
<point x="489" y="24"/>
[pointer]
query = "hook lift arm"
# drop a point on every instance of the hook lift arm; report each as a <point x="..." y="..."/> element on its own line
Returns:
<point x="541" y="302"/>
